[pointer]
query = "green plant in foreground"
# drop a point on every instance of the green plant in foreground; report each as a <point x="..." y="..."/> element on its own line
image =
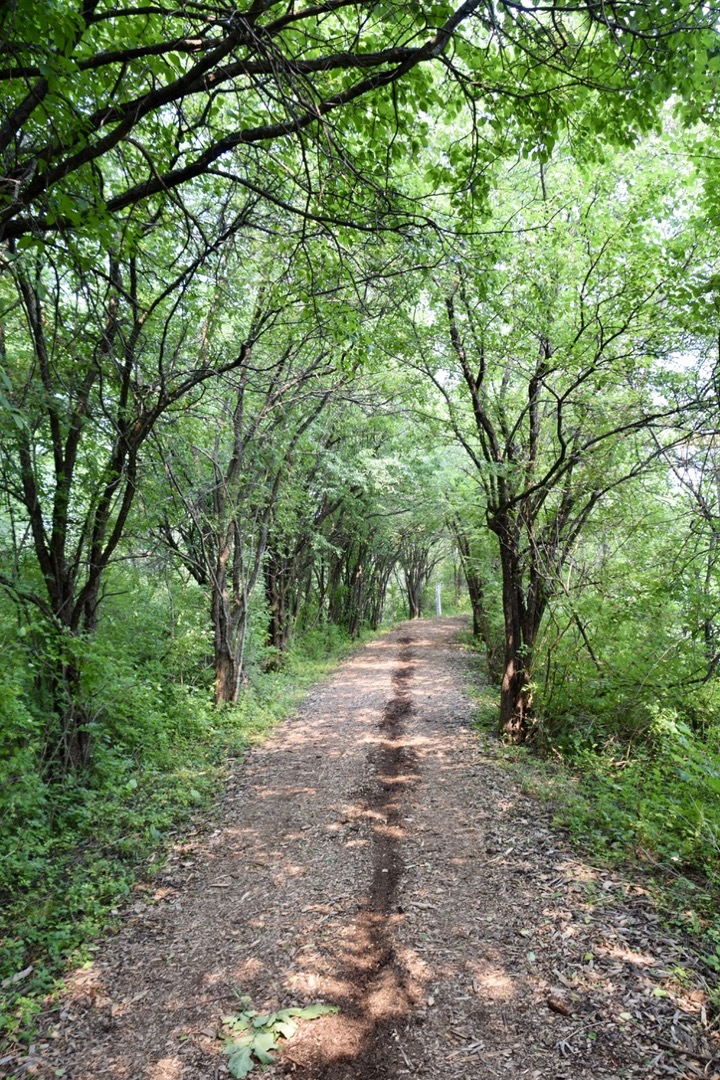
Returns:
<point x="254" y="1035"/>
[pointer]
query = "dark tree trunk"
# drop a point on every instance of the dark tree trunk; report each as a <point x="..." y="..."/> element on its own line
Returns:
<point x="226" y="663"/>
<point x="515" y="698"/>
<point x="277" y="575"/>
<point x="377" y="600"/>
<point x="415" y="582"/>
<point x="75" y="737"/>
<point x="226" y="677"/>
<point x="229" y="620"/>
<point x="72" y="751"/>
<point x="418" y="562"/>
<point x="274" y="599"/>
<point x="355" y="613"/>
<point x="522" y="612"/>
<point x="414" y="600"/>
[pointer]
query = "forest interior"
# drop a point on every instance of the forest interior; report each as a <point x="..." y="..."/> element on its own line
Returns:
<point x="318" y="319"/>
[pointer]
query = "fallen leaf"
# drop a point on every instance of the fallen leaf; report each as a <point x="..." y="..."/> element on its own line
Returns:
<point x="557" y="1003"/>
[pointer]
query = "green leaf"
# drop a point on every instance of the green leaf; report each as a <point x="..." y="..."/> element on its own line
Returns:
<point x="263" y="1042"/>
<point x="265" y="1021"/>
<point x="240" y="1061"/>
<point x="263" y="1056"/>
<point x="311" y="1012"/>
<point x="244" y="1040"/>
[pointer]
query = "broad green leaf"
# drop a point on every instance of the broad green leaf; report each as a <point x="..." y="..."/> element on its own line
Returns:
<point x="240" y="1062"/>
<point x="263" y="1056"/>
<point x="311" y="1012"/>
<point x="265" y="1021"/>
<point x="263" y="1042"/>
<point x="243" y="1040"/>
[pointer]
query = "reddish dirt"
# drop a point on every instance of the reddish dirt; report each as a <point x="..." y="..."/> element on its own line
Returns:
<point x="376" y="855"/>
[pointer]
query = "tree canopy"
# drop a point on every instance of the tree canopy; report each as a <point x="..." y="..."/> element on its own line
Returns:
<point x="107" y="108"/>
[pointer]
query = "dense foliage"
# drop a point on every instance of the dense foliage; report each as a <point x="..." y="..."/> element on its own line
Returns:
<point x="306" y="309"/>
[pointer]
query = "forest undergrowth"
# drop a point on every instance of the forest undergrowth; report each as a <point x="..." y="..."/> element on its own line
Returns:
<point x="73" y="847"/>
<point x="648" y="807"/>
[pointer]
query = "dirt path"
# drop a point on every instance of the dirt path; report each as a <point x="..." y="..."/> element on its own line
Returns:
<point x="374" y="856"/>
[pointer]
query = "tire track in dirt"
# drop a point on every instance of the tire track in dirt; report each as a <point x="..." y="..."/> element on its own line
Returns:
<point x="381" y="993"/>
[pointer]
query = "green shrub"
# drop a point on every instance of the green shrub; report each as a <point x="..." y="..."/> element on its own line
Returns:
<point x="661" y="801"/>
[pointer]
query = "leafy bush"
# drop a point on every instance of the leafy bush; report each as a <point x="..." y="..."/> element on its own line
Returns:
<point x="661" y="802"/>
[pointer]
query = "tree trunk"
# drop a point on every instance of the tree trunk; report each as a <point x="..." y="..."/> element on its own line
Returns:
<point x="275" y="602"/>
<point x="228" y="630"/>
<point x="482" y="628"/>
<point x="378" y="593"/>
<point x="287" y="577"/>
<point x="515" y="699"/>
<point x="73" y="750"/>
<point x="521" y="628"/>
<point x="355" y="615"/>
<point x="226" y="677"/>
<point x="414" y="589"/>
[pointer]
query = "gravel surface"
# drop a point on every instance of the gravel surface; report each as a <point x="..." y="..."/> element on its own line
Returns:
<point x="376" y="856"/>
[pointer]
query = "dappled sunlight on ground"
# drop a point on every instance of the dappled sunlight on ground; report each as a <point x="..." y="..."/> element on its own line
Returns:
<point x="169" y="1068"/>
<point x="628" y="956"/>
<point x="492" y="983"/>
<point x="370" y="858"/>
